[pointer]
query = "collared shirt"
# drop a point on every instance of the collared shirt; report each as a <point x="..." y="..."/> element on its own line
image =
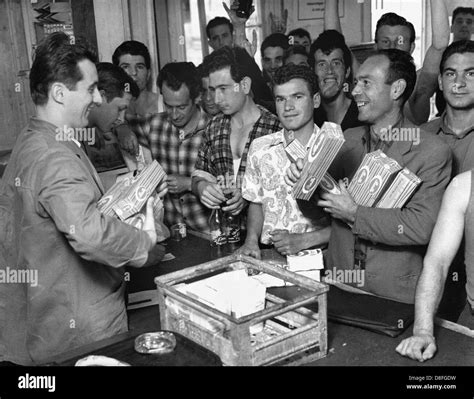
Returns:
<point x="462" y="144"/>
<point x="351" y="118"/>
<point x="264" y="183"/>
<point x="177" y="151"/>
<point x="215" y="154"/>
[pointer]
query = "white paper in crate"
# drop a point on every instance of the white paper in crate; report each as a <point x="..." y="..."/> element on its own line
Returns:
<point x="233" y="293"/>
<point x="307" y="263"/>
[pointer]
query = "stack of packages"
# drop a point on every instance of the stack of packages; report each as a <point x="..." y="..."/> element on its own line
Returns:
<point x="380" y="182"/>
<point x="324" y="146"/>
<point x="127" y="199"/>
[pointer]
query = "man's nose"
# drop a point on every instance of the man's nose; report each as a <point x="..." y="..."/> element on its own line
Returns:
<point x="96" y="97"/>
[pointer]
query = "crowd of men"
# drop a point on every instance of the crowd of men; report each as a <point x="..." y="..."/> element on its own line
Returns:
<point x="222" y="127"/>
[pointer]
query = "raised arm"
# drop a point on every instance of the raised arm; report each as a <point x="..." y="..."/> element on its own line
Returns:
<point x="331" y="16"/>
<point x="444" y="244"/>
<point x="427" y="79"/>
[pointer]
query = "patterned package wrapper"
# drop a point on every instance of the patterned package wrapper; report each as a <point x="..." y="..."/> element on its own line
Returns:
<point x="133" y="199"/>
<point x="372" y="178"/>
<point x="329" y="185"/>
<point x="324" y="147"/>
<point x="400" y="190"/>
<point x="113" y="195"/>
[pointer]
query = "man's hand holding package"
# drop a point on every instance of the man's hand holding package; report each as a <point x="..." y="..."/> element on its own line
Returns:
<point x="339" y="206"/>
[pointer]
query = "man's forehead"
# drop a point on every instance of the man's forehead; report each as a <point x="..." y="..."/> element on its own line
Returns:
<point x="88" y="71"/>
<point x="375" y="65"/>
<point x="219" y="30"/>
<point x="296" y="85"/>
<point x="466" y="60"/>
<point x="221" y="76"/>
<point x="395" y="30"/>
<point x="336" y="53"/>
<point x="464" y="16"/>
<point x="273" y="51"/>
<point x="131" y="59"/>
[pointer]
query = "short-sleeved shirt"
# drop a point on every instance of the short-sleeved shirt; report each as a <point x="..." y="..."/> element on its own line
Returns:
<point x="264" y="183"/>
<point x="177" y="151"/>
<point x="462" y="145"/>
<point x="215" y="154"/>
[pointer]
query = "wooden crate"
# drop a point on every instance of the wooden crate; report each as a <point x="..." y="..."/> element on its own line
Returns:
<point x="293" y="334"/>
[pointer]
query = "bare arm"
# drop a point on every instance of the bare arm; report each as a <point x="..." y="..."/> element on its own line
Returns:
<point x="444" y="243"/>
<point x="427" y="79"/>
<point x="254" y="230"/>
<point x="331" y="16"/>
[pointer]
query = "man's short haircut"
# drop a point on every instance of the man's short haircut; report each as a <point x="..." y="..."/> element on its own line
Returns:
<point x="401" y="66"/>
<point x="300" y="32"/>
<point x="234" y="58"/>
<point x="56" y="60"/>
<point x="327" y="42"/>
<point x="275" y="40"/>
<point x="218" y="21"/>
<point x="131" y="47"/>
<point x="295" y="49"/>
<point x="175" y="74"/>
<point x="462" y="10"/>
<point x="291" y="71"/>
<point x="392" y="19"/>
<point x="459" y="47"/>
<point x="114" y="81"/>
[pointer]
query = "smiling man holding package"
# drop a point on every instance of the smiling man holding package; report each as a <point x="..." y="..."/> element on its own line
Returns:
<point x="50" y="221"/>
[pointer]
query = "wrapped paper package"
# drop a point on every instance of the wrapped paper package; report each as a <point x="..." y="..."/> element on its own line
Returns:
<point x="374" y="175"/>
<point x="323" y="148"/>
<point x="400" y="190"/>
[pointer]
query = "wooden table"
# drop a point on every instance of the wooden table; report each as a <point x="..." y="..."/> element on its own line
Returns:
<point x="348" y="346"/>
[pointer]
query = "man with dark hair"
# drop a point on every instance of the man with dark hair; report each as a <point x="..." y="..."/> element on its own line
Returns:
<point x="274" y="216"/>
<point x="272" y="50"/>
<point x="219" y="33"/>
<point x="174" y="138"/>
<point x="222" y="157"/>
<point x="207" y="98"/>
<point x="387" y="244"/>
<point x="116" y="89"/>
<point x="296" y="55"/>
<point x="300" y="36"/>
<point x="394" y="31"/>
<point x="456" y="128"/>
<point x="462" y="24"/>
<point x="51" y="226"/>
<point x="462" y="27"/>
<point x="134" y="58"/>
<point x="332" y="62"/>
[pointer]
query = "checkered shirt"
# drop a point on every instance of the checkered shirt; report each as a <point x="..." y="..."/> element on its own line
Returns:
<point x="176" y="152"/>
<point x="215" y="154"/>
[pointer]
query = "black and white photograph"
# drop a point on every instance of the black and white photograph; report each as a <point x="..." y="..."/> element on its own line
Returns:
<point x="188" y="184"/>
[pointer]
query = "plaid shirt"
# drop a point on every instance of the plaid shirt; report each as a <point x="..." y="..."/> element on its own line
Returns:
<point x="177" y="152"/>
<point x="215" y="155"/>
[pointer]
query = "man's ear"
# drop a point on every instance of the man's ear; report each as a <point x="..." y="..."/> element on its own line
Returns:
<point x="398" y="88"/>
<point x="246" y="84"/>
<point x="348" y="72"/>
<point x="58" y="91"/>
<point x="104" y="98"/>
<point x="317" y="100"/>
<point x="412" y="48"/>
<point x="440" y="82"/>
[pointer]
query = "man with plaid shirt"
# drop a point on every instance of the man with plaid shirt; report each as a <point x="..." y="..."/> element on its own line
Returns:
<point x="222" y="157"/>
<point x="174" y="138"/>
